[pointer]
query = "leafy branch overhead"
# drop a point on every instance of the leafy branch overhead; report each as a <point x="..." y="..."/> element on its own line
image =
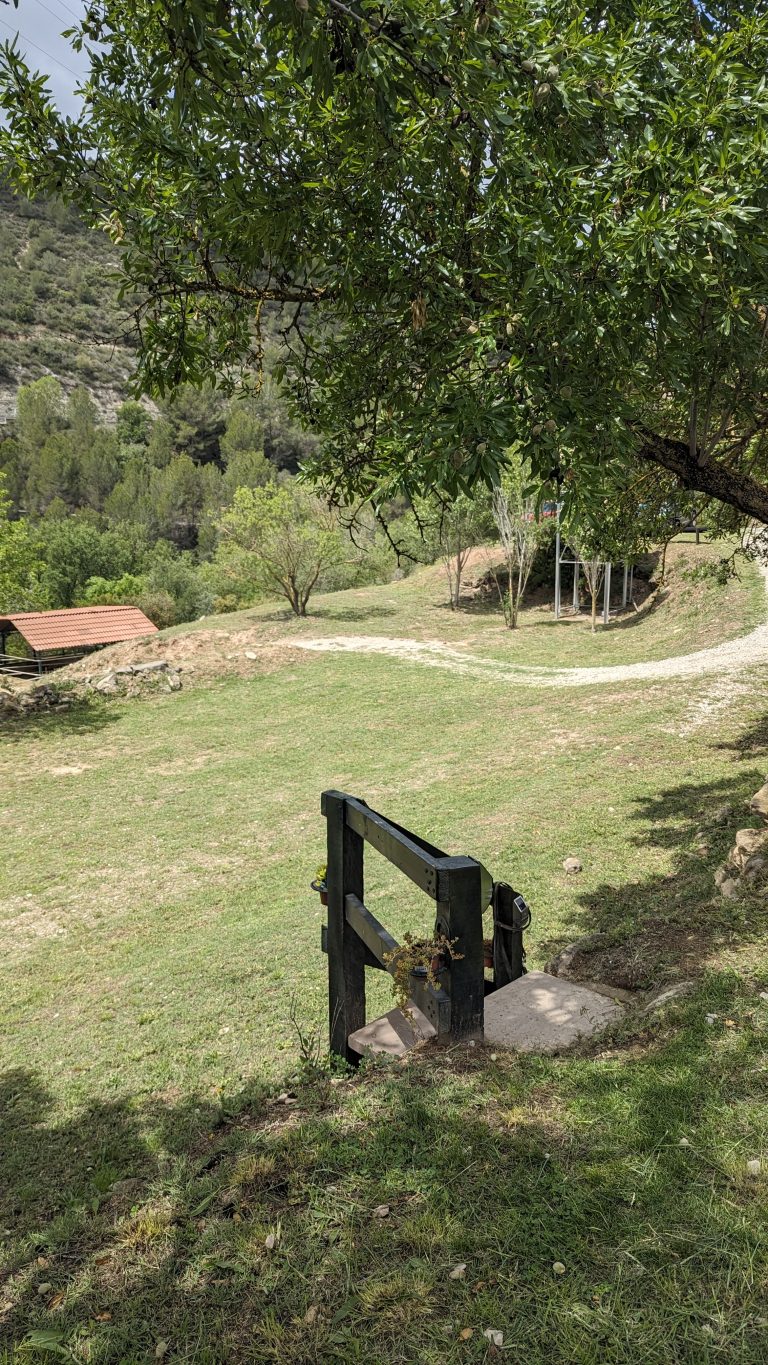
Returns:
<point x="502" y="222"/>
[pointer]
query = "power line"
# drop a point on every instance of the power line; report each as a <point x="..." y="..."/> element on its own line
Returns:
<point x="54" y="15"/>
<point x="18" y="34"/>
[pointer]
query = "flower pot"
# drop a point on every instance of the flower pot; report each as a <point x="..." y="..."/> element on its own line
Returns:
<point x="322" y="891"/>
<point x="323" y="897"/>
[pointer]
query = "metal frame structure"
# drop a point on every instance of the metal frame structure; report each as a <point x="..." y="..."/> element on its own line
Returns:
<point x="560" y="559"/>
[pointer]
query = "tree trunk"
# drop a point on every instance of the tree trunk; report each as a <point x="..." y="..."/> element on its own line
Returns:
<point x="594" y="610"/>
<point x="702" y="475"/>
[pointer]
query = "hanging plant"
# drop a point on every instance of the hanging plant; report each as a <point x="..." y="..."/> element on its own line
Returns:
<point x="427" y="957"/>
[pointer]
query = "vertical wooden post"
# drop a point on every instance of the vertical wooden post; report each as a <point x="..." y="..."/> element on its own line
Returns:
<point x="346" y="962"/>
<point x="464" y="921"/>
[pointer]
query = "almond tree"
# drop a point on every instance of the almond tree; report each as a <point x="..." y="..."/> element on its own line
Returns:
<point x="289" y="536"/>
<point x="521" y="533"/>
<point x="485" y="223"/>
<point x="459" y="528"/>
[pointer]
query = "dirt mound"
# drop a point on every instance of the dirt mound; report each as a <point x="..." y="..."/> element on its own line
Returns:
<point x="199" y="656"/>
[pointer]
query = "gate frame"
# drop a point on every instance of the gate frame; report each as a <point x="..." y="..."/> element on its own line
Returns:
<point x="355" y="939"/>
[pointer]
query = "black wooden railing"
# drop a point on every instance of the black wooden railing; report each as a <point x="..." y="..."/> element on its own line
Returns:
<point x="355" y="940"/>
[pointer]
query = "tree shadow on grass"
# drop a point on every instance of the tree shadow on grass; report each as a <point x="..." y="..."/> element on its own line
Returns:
<point x="663" y="927"/>
<point x="352" y="613"/>
<point x="81" y="718"/>
<point x="326" y="1229"/>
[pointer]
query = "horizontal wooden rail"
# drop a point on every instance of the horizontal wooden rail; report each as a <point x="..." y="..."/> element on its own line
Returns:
<point x="375" y="937"/>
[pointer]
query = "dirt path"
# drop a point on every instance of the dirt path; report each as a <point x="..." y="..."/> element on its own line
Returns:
<point x="725" y="659"/>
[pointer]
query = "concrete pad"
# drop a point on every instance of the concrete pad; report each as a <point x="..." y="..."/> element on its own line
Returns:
<point x="393" y="1033"/>
<point x="541" y="1013"/>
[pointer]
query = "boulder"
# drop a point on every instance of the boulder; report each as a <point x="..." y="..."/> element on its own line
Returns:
<point x="759" y="802"/>
<point x="572" y="866"/>
<point x="747" y="843"/>
<point x="107" y="684"/>
<point x="151" y="665"/>
<point x="174" y="682"/>
<point x="729" y="888"/>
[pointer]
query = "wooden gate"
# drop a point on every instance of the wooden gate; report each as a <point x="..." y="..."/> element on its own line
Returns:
<point x="355" y="939"/>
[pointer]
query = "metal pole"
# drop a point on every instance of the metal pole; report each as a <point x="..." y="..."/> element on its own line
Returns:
<point x="625" y="587"/>
<point x="557" y="569"/>
<point x="607" y="595"/>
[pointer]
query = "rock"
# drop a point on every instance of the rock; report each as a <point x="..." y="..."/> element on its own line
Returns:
<point x="730" y="889"/>
<point x="123" y="670"/>
<point x="572" y="865"/>
<point x="747" y="843"/>
<point x="754" y="870"/>
<point x="754" y="1166"/>
<point x="174" y="682"/>
<point x="562" y="964"/>
<point x="666" y="995"/>
<point x="759" y="802"/>
<point x="151" y="666"/>
<point x="129" y="1186"/>
<point x="722" y="874"/>
<point x="250" y="654"/>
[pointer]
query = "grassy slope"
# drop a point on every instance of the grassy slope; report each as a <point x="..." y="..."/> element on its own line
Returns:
<point x="157" y="921"/>
<point x="689" y="615"/>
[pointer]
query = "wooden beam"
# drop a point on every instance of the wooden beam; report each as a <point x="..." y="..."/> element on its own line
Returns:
<point x="346" y="957"/>
<point x="375" y="937"/>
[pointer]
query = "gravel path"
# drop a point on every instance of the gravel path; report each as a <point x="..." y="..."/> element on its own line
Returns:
<point x="725" y="659"/>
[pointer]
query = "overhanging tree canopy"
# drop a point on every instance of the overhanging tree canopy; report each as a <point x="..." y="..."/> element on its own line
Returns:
<point x="501" y="221"/>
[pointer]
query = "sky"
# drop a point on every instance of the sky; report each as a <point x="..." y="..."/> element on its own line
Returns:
<point x="39" y="24"/>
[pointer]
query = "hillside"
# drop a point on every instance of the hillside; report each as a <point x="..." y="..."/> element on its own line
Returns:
<point x="60" y="315"/>
<point x="691" y="612"/>
<point x="59" y="312"/>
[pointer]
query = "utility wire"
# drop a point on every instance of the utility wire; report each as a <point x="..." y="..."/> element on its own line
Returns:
<point x="59" y="17"/>
<point x="78" y="75"/>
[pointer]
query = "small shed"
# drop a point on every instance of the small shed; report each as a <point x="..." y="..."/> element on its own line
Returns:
<point x="56" y="638"/>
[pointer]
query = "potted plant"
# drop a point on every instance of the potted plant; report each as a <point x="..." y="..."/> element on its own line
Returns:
<point x="319" y="884"/>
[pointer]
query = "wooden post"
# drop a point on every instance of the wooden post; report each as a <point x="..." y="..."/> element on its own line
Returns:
<point x="461" y="918"/>
<point x="346" y="952"/>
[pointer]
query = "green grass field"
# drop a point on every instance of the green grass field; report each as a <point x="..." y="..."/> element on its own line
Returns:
<point x="160" y="936"/>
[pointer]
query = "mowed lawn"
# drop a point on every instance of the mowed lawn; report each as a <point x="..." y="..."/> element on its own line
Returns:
<point x="160" y="1200"/>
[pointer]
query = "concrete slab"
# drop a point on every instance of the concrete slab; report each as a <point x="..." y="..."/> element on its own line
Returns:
<point x="393" y="1033"/>
<point x="541" y="1013"/>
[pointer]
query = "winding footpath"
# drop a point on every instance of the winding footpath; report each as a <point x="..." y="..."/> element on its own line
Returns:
<point x="726" y="660"/>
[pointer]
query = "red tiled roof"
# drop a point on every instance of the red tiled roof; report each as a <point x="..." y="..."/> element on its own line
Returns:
<point x="78" y="627"/>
